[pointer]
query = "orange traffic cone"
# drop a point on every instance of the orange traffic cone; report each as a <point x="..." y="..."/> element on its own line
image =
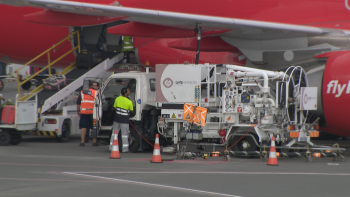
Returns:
<point x="115" y="154"/>
<point x="272" y="155"/>
<point x="156" y="152"/>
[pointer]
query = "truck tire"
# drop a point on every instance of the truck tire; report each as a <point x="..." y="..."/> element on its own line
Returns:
<point x="26" y="85"/>
<point x="5" y="138"/>
<point x="16" y="139"/>
<point x="245" y="144"/>
<point x="134" y="140"/>
<point x="3" y="85"/>
<point x="65" y="132"/>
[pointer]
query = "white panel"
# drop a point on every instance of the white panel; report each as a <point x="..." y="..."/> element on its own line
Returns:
<point x="315" y="77"/>
<point x="308" y="99"/>
<point x="26" y="114"/>
<point x="172" y="113"/>
<point x="180" y="82"/>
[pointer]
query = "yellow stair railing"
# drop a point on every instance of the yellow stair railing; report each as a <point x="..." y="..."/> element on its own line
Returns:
<point x="36" y="90"/>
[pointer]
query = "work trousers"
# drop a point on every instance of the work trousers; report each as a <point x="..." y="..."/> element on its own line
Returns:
<point x="124" y="128"/>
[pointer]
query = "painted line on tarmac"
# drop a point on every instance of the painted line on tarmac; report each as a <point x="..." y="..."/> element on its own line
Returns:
<point x="63" y="180"/>
<point x="78" y="166"/>
<point x="152" y="185"/>
<point x="220" y="172"/>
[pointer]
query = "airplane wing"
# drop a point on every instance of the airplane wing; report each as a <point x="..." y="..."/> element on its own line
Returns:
<point x="231" y="27"/>
<point x="257" y="40"/>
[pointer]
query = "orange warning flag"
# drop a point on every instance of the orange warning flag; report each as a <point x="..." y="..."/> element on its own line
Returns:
<point x="188" y="112"/>
<point x="200" y="116"/>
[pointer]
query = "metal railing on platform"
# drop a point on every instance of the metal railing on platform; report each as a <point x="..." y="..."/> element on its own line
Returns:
<point x="67" y="39"/>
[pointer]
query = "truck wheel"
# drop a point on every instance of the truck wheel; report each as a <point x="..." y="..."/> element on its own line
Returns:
<point x="3" y="85"/>
<point x="26" y="85"/>
<point x="134" y="140"/>
<point x="5" y="138"/>
<point x="16" y="139"/>
<point x="65" y="132"/>
<point x="245" y="144"/>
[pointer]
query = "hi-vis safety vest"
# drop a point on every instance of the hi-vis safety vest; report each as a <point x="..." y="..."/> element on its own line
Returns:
<point x="123" y="105"/>
<point x="127" y="44"/>
<point x="88" y="101"/>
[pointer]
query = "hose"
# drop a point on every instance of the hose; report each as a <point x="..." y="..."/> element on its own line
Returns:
<point x="141" y="135"/>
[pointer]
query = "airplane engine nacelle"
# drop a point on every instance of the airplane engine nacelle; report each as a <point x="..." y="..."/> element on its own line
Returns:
<point x="334" y="93"/>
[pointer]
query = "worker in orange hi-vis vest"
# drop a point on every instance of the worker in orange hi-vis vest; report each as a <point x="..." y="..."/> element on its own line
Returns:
<point x="85" y="106"/>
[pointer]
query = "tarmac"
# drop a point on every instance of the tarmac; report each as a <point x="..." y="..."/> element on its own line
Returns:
<point x="41" y="167"/>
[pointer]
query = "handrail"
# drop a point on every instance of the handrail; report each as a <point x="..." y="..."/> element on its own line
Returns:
<point x="48" y="57"/>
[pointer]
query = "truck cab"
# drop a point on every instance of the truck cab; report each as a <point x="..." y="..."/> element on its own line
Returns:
<point x="142" y="86"/>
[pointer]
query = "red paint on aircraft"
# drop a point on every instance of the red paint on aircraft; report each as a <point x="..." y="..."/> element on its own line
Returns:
<point x="21" y="41"/>
<point x="336" y="92"/>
